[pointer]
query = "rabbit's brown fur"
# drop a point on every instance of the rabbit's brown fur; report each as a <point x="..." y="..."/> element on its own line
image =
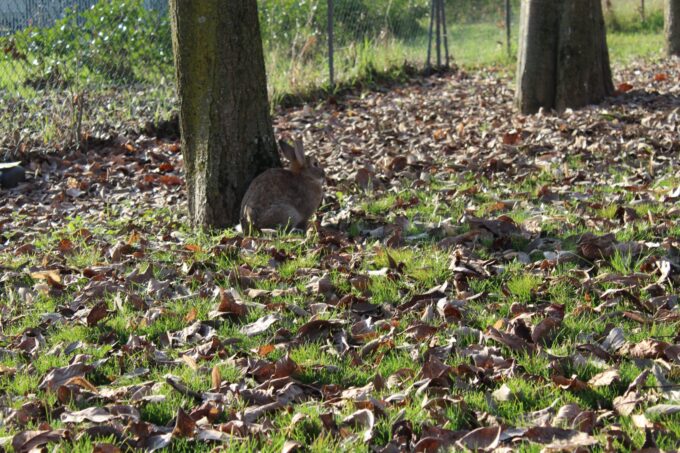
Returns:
<point x="284" y="198"/>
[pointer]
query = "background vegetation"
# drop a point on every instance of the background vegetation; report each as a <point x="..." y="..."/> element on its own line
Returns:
<point x="115" y="58"/>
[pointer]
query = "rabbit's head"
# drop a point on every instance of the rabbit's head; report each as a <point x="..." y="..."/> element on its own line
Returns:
<point x="301" y="164"/>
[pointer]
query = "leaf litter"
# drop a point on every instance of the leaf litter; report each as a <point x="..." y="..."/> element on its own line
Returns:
<point x="466" y="260"/>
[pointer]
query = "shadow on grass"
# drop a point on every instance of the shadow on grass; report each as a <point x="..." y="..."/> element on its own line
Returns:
<point x="647" y="100"/>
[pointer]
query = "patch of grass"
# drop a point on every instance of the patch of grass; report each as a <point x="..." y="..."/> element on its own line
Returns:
<point x="629" y="16"/>
<point x="626" y="47"/>
<point x="496" y="288"/>
<point x="523" y="285"/>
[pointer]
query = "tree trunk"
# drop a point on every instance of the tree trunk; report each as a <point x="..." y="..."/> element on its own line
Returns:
<point x="227" y="136"/>
<point x="672" y="26"/>
<point x="563" y="59"/>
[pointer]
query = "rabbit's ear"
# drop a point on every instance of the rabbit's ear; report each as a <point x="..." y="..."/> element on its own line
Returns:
<point x="287" y="150"/>
<point x="299" y="152"/>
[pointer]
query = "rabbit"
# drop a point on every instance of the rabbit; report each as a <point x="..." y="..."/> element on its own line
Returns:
<point x="284" y="197"/>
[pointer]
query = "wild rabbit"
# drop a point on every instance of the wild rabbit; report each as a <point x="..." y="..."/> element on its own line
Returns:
<point x="284" y="198"/>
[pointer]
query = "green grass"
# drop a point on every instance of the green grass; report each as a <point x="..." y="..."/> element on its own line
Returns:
<point x="423" y="266"/>
<point x="482" y="300"/>
<point x="625" y="47"/>
<point x="627" y="16"/>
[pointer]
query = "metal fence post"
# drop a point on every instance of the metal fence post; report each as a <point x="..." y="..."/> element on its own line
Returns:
<point x="429" y="41"/>
<point x="446" y="37"/>
<point x="331" y="74"/>
<point x="437" y="17"/>
<point x="508" y="25"/>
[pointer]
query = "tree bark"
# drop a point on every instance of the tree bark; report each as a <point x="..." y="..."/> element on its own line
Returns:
<point x="672" y="27"/>
<point x="227" y="136"/>
<point x="563" y="56"/>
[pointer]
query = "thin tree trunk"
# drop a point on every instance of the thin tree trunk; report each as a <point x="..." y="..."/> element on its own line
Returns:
<point x="672" y="27"/>
<point x="563" y="56"/>
<point x="227" y="136"/>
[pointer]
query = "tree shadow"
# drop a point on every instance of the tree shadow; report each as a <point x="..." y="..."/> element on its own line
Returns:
<point x="646" y="100"/>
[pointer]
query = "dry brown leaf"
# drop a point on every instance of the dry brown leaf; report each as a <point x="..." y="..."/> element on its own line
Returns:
<point x="626" y="404"/>
<point x="216" y="377"/>
<point x="261" y="325"/>
<point x="605" y="378"/>
<point x="185" y="426"/>
<point x="361" y="418"/>
<point x="648" y="349"/>
<point x="290" y="446"/>
<point x="663" y="409"/>
<point x="59" y="376"/>
<point x="49" y="275"/>
<point x="190" y="362"/>
<point x="574" y="384"/>
<point x="502" y="394"/>
<point x="316" y="329"/>
<point x="98" y="312"/>
<point x="481" y="439"/>
<point x="231" y="304"/>
<point x="510" y="340"/>
<point x="544" y="332"/>
<point x="106" y="448"/>
<point x="27" y="441"/>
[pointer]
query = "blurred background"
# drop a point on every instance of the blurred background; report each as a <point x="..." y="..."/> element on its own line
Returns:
<point x="82" y="70"/>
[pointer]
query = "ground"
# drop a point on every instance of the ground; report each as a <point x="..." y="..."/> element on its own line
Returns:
<point x="475" y="279"/>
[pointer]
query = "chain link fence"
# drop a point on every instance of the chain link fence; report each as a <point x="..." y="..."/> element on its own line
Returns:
<point x="73" y="71"/>
<point x="76" y="70"/>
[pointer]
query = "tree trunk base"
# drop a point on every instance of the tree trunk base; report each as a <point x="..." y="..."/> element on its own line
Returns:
<point x="563" y="60"/>
<point x="227" y="136"/>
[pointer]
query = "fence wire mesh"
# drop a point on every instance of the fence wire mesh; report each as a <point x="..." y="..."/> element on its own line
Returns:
<point x="77" y="69"/>
<point x="73" y="69"/>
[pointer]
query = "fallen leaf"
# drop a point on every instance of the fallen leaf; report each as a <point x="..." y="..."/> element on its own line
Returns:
<point x="663" y="410"/>
<point x="626" y="404"/>
<point x="481" y="439"/>
<point x="648" y="349"/>
<point x="58" y="376"/>
<point x="605" y="378"/>
<point x="510" y="340"/>
<point x="573" y="384"/>
<point x="290" y="446"/>
<point x="185" y="426"/>
<point x="261" y="325"/>
<point x="27" y="441"/>
<point x="624" y="87"/>
<point x="216" y="377"/>
<point x="545" y="330"/>
<point x="503" y="393"/>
